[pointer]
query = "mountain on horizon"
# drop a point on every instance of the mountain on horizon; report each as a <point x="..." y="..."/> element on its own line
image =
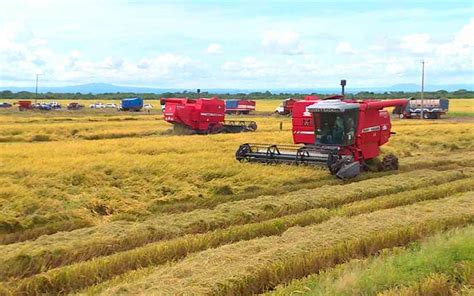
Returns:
<point x="100" y="88"/>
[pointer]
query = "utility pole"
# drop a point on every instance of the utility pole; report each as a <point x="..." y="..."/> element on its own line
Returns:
<point x="422" y="86"/>
<point x="36" y="92"/>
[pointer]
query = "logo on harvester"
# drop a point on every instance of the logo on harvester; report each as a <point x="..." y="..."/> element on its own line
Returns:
<point x="371" y="129"/>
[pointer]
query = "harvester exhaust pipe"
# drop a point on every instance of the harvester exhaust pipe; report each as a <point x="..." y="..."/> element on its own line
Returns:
<point x="343" y="85"/>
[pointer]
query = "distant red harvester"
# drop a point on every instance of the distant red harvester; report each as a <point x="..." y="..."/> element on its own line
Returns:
<point x="24" y="105"/>
<point x="202" y="116"/>
<point x="286" y="106"/>
<point x="342" y="134"/>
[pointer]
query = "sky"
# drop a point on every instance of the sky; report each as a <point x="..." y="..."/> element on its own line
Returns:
<point x="235" y="44"/>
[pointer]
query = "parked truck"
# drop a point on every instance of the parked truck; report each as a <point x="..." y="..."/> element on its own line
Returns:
<point x="432" y="108"/>
<point x="74" y="106"/>
<point x="239" y="106"/>
<point x="131" y="104"/>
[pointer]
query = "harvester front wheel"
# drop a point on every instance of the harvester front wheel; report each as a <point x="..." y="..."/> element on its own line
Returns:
<point x="389" y="163"/>
<point x="334" y="163"/>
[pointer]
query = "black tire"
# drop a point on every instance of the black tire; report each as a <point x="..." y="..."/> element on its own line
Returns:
<point x="252" y="126"/>
<point x="334" y="163"/>
<point x="389" y="163"/>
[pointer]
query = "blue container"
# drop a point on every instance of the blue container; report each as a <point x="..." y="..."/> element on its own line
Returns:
<point x="231" y="104"/>
<point x="132" y="104"/>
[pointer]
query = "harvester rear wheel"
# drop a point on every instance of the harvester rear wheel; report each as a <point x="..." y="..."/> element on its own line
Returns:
<point x="389" y="163"/>
<point x="252" y="126"/>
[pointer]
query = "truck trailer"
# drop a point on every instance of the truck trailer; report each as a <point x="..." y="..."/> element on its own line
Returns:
<point x="432" y="108"/>
<point x="239" y="106"/>
<point x="131" y="104"/>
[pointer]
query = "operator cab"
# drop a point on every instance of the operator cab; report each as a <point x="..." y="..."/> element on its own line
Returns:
<point x="335" y="122"/>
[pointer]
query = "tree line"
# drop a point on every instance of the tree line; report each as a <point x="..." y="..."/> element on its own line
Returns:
<point x="6" y="94"/>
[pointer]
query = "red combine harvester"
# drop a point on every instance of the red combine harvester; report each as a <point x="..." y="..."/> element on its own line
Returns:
<point x="202" y="116"/>
<point x="342" y="134"/>
<point x="24" y="105"/>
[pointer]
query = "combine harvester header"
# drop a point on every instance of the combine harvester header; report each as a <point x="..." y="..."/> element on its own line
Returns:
<point x="202" y="116"/>
<point x="341" y="134"/>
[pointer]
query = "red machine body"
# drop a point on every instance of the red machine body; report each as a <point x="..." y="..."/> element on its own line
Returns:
<point x="302" y="121"/>
<point x="200" y="115"/>
<point x="372" y="129"/>
<point x="203" y="116"/>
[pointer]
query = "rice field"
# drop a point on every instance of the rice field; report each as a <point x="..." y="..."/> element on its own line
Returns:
<point x="102" y="202"/>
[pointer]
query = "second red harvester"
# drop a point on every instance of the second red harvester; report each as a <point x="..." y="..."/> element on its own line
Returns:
<point x="202" y="116"/>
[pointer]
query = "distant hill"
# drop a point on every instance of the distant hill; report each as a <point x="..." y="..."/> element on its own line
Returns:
<point x="100" y="88"/>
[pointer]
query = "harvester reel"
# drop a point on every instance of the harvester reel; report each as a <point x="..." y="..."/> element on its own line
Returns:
<point x="389" y="163"/>
<point x="271" y="151"/>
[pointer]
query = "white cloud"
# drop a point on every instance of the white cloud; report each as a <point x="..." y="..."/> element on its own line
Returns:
<point x="214" y="48"/>
<point x="247" y="67"/>
<point x="22" y="55"/>
<point x="284" y="42"/>
<point x="344" y="48"/>
<point x="416" y="43"/>
<point x="113" y="63"/>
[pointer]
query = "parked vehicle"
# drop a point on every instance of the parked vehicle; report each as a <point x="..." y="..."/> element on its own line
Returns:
<point x="131" y="104"/>
<point x="110" y="105"/>
<point x="43" y="106"/>
<point x="5" y="105"/>
<point x="162" y="104"/>
<point x="97" y="106"/>
<point x="74" y="106"/>
<point x="54" y="105"/>
<point x="432" y="108"/>
<point x="148" y="106"/>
